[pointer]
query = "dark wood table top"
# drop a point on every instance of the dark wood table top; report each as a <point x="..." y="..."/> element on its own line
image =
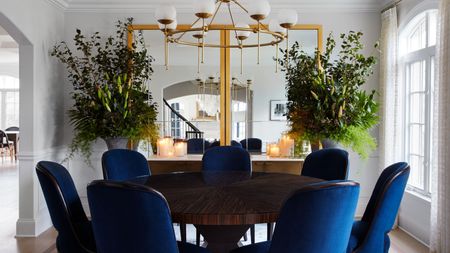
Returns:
<point x="225" y="198"/>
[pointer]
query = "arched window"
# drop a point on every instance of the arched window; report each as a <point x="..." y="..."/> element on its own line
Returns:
<point x="9" y="101"/>
<point x="417" y="51"/>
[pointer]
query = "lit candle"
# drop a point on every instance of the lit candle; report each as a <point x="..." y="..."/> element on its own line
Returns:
<point x="180" y="148"/>
<point x="165" y="147"/>
<point x="274" y="150"/>
<point x="286" y="145"/>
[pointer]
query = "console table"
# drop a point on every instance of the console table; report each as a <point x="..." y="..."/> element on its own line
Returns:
<point x="193" y="163"/>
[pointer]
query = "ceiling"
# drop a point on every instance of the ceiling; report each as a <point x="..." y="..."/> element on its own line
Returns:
<point x="186" y="5"/>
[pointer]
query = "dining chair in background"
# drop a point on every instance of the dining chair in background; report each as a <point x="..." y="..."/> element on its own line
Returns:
<point x="226" y="158"/>
<point x="6" y="145"/>
<point x="370" y="235"/>
<point x="306" y="225"/>
<point x="252" y="145"/>
<point x="124" y="164"/>
<point x="216" y="143"/>
<point x="12" y="128"/>
<point x="197" y="146"/>
<point x="234" y="143"/>
<point x="132" y="218"/>
<point x="327" y="164"/>
<point x="68" y="217"/>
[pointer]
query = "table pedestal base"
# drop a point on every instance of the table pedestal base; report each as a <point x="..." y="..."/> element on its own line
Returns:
<point x="222" y="239"/>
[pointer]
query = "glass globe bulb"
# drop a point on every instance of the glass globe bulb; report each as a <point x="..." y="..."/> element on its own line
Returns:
<point x="242" y="35"/>
<point x="204" y="8"/>
<point x="287" y="18"/>
<point x="166" y="14"/>
<point x="259" y="9"/>
<point x="275" y="27"/>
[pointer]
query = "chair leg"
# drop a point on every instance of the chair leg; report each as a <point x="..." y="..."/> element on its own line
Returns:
<point x="183" y="232"/>
<point x="252" y="233"/>
<point x="269" y="231"/>
<point x="197" y="237"/>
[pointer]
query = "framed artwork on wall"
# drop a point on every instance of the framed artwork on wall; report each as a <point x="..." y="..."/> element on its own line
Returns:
<point x="278" y="110"/>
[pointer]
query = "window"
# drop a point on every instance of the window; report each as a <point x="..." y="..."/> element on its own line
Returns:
<point x="175" y="121"/>
<point x="238" y="130"/>
<point x="417" y="50"/>
<point x="9" y="101"/>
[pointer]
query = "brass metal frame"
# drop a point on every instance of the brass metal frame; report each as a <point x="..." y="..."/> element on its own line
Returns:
<point x="225" y="65"/>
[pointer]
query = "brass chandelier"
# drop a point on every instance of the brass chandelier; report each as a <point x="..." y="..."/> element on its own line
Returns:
<point x="278" y="29"/>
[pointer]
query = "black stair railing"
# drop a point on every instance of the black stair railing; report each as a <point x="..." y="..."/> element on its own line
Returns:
<point x="191" y="131"/>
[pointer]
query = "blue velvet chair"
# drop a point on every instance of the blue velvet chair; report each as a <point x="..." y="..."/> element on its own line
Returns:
<point x="225" y="158"/>
<point x="217" y="144"/>
<point x="370" y="235"/>
<point x="68" y="217"/>
<point x="252" y="145"/>
<point x="327" y="164"/>
<point x="316" y="219"/>
<point x="132" y="218"/>
<point x="214" y="144"/>
<point x="236" y="144"/>
<point x="197" y="146"/>
<point x="124" y="164"/>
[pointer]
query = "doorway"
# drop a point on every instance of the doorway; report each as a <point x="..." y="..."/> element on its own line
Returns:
<point x="9" y="135"/>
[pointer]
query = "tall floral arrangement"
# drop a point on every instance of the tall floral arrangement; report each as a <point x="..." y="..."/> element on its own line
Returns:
<point x="325" y="95"/>
<point x="110" y="95"/>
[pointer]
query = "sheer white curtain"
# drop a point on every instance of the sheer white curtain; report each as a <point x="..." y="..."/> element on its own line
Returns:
<point x="389" y="90"/>
<point x="440" y="202"/>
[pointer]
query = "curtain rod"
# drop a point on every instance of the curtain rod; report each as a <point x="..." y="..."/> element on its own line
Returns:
<point x="394" y="4"/>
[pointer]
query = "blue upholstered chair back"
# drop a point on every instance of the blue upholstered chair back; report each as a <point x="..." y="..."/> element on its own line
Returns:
<point x="130" y="218"/>
<point x="124" y="164"/>
<point x="197" y="146"/>
<point x="236" y="144"/>
<point x="226" y="158"/>
<point x="252" y="145"/>
<point x="382" y="208"/>
<point x="317" y="218"/>
<point x="66" y="211"/>
<point x="214" y="144"/>
<point x="327" y="164"/>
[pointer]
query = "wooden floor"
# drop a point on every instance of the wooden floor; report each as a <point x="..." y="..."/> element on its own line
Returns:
<point x="45" y="243"/>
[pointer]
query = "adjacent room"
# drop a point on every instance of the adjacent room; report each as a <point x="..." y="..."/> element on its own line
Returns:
<point x="218" y="126"/>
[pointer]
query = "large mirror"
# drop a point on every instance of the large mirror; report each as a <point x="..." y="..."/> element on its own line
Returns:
<point x="262" y="115"/>
<point x="189" y="96"/>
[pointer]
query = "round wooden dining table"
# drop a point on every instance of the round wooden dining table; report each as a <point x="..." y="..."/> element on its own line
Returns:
<point x="223" y="205"/>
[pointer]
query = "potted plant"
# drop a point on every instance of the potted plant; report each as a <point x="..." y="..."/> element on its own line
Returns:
<point x="325" y="97"/>
<point x="111" y="100"/>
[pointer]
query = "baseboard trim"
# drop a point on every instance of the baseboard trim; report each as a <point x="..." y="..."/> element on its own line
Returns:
<point x="33" y="227"/>
<point x="26" y="228"/>
<point x="413" y="236"/>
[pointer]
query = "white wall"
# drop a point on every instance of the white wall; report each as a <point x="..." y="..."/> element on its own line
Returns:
<point x="36" y="25"/>
<point x="9" y="69"/>
<point x="366" y="172"/>
<point x="414" y="213"/>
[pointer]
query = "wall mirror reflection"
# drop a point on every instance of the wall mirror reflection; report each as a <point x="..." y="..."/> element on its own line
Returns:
<point x="189" y="93"/>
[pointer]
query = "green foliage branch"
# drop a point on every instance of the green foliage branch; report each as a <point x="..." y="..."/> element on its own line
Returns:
<point x="325" y="97"/>
<point x="110" y="95"/>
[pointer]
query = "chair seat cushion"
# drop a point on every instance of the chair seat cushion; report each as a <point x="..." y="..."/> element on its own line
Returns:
<point x="261" y="247"/>
<point x="185" y="247"/>
<point x="359" y="231"/>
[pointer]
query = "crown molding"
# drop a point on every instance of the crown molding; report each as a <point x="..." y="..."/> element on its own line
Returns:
<point x="185" y="8"/>
<point x="60" y="4"/>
